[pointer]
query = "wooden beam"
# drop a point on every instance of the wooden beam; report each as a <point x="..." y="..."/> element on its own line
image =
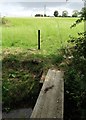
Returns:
<point x="51" y="98"/>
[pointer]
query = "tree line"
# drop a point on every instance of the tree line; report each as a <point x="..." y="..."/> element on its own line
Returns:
<point x="75" y="13"/>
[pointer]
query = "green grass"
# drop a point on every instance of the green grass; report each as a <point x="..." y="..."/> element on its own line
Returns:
<point x="22" y="32"/>
<point x="23" y="63"/>
<point x="22" y="71"/>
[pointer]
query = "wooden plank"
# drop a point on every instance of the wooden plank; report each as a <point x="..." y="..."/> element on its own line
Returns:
<point x="50" y="101"/>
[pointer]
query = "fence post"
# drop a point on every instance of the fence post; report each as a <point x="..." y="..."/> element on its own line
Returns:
<point x="38" y="39"/>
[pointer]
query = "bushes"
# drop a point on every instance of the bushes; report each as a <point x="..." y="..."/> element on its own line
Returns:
<point x="75" y="78"/>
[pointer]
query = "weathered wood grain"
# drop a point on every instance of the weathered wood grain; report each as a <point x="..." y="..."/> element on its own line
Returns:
<point x="51" y="98"/>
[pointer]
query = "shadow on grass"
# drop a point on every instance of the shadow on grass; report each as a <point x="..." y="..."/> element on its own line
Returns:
<point x="21" y="77"/>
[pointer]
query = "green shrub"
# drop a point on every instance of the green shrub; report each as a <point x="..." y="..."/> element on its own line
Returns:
<point x="75" y="75"/>
<point x="75" y="78"/>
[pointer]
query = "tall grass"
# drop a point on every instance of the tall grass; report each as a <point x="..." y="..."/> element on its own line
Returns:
<point x="22" y="32"/>
<point x="22" y="68"/>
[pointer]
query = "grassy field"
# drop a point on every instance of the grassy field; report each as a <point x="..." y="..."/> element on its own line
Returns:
<point x="23" y="65"/>
<point x="22" y="32"/>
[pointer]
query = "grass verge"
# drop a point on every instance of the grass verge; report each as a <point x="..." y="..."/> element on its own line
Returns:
<point x="22" y="72"/>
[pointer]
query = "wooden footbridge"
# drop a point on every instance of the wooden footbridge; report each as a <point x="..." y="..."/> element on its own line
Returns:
<point x="51" y="98"/>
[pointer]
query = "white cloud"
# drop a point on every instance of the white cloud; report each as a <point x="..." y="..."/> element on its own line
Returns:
<point x="13" y="10"/>
<point x="20" y="9"/>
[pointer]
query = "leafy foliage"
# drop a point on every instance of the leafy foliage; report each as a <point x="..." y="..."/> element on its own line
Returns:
<point x="82" y="17"/>
<point x="83" y="13"/>
<point x="75" y="78"/>
<point x="75" y="13"/>
<point x="56" y="13"/>
<point x="75" y="75"/>
<point x="64" y="13"/>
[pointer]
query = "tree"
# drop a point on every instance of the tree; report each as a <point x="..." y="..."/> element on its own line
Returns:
<point x="56" y="13"/>
<point x="64" y="13"/>
<point x="83" y="13"/>
<point x="4" y="21"/>
<point x="75" y="13"/>
<point x="44" y="15"/>
<point x="82" y="17"/>
<point x="38" y="15"/>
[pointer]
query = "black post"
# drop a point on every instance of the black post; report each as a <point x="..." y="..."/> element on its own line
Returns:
<point x="38" y="39"/>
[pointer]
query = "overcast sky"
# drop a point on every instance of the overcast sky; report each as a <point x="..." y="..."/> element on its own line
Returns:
<point x="21" y="8"/>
